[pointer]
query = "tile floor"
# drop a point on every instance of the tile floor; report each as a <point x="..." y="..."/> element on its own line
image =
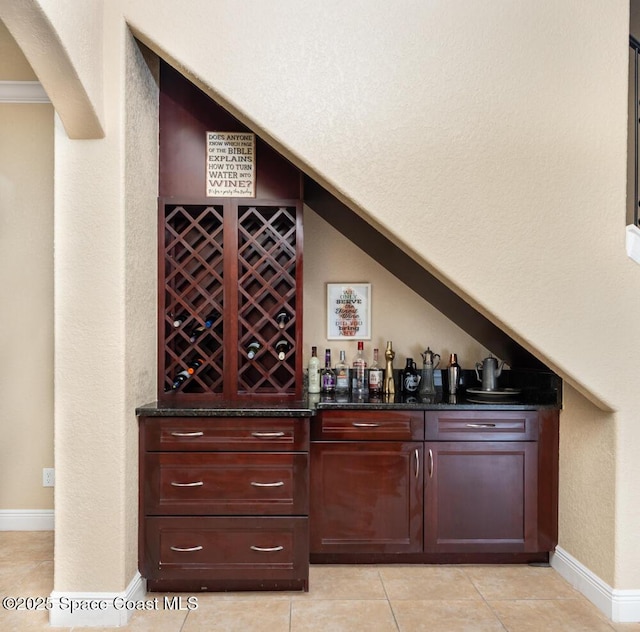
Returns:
<point x="341" y="598"/>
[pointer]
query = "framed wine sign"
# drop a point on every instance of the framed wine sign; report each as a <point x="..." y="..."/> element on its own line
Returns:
<point x="348" y="311"/>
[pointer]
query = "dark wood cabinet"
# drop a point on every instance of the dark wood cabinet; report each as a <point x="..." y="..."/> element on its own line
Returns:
<point x="480" y="496"/>
<point x="224" y="503"/>
<point x="486" y="482"/>
<point x="366" y="482"/>
<point x="366" y="497"/>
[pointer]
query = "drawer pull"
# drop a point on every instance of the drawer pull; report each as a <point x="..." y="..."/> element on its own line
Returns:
<point x="417" y="463"/>
<point x="197" y="433"/>
<point x="270" y="549"/>
<point x="278" y="484"/>
<point x="430" y="463"/>
<point x="480" y="425"/>
<point x="361" y="424"/>
<point x="189" y="550"/>
<point x="194" y="484"/>
<point x="268" y="435"/>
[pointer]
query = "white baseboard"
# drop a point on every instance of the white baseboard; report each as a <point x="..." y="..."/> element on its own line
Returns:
<point x="108" y="610"/>
<point x="27" y="520"/>
<point x="621" y="606"/>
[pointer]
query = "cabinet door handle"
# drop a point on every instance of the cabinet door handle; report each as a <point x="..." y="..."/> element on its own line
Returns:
<point x="197" y="433"/>
<point x="270" y="549"/>
<point x="417" y="462"/>
<point x="430" y="463"/>
<point x="480" y="425"/>
<point x="189" y="550"/>
<point x="278" y="484"/>
<point x="267" y="435"/>
<point x="194" y="484"/>
<point x="362" y="424"/>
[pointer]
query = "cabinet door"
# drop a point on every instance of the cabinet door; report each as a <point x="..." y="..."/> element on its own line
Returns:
<point x="480" y="497"/>
<point x="366" y="497"/>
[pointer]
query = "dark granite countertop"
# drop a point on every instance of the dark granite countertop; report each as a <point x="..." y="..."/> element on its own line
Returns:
<point x="220" y="408"/>
<point x="534" y="391"/>
<point x="314" y="403"/>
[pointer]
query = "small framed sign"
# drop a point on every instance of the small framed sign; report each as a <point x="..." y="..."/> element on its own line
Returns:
<point x="348" y="311"/>
<point x="231" y="164"/>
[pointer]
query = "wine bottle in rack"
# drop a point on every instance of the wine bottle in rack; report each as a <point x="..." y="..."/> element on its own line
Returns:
<point x="185" y="374"/>
<point x="282" y="318"/>
<point x="252" y="348"/>
<point x="179" y="319"/>
<point x="193" y="366"/>
<point x="196" y="332"/>
<point x="281" y="347"/>
<point x="211" y="318"/>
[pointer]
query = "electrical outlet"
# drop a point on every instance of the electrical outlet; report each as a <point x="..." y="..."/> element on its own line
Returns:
<point x="48" y="477"/>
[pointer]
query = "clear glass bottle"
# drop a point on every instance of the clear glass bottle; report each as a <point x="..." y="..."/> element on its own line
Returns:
<point x="359" y="371"/>
<point x="314" y="372"/>
<point x="342" y="375"/>
<point x="328" y="377"/>
<point x="376" y="377"/>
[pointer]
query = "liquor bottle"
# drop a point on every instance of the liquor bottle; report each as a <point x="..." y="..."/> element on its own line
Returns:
<point x="358" y="377"/>
<point x="376" y="377"/>
<point x="252" y="349"/>
<point x="328" y="377"/>
<point x="453" y="373"/>
<point x="342" y="375"/>
<point x="314" y="372"/>
<point x="281" y="347"/>
<point x="179" y="320"/>
<point x="282" y="318"/>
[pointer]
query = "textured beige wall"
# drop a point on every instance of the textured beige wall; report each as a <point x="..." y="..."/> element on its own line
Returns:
<point x="398" y="313"/>
<point x="501" y="170"/>
<point x="26" y="297"/>
<point x="13" y="64"/>
<point x="106" y="200"/>
<point x="587" y="494"/>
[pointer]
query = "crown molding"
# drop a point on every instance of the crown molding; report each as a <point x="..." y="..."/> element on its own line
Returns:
<point x="22" y="92"/>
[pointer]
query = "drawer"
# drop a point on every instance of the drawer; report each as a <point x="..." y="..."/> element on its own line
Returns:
<point x="238" y="483"/>
<point x="481" y="425"/>
<point x="211" y="434"/>
<point x="383" y="425"/>
<point x="230" y="549"/>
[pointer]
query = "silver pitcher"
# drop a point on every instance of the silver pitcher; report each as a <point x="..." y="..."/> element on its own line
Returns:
<point x="490" y="373"/>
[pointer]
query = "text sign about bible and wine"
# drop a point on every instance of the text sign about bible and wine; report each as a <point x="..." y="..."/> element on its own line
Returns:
<point x="231" y="164"/>
<point x="348" y="311"/>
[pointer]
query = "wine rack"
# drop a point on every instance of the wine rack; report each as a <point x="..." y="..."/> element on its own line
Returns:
<point x="230" y="275"/>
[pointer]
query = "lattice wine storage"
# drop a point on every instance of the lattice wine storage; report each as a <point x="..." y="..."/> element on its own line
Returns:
<point x="230" y="306"/>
